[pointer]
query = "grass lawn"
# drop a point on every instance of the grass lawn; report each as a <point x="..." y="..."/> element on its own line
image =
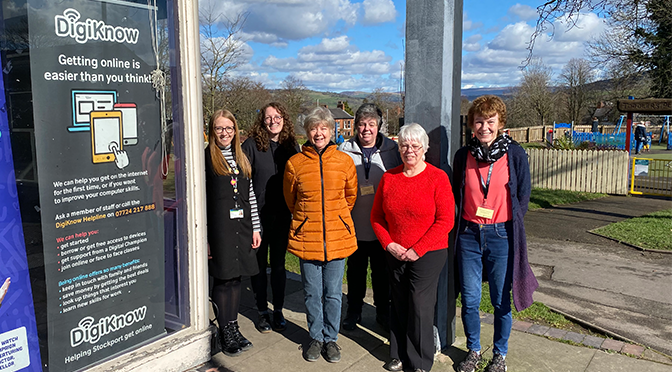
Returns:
<point x="651" y="231"/>
<point x="544" y="198"/>
<point x="537" y="313"/>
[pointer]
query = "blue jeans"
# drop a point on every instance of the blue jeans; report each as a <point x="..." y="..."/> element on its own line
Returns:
<point x="491" y="247"/>
<point x="322" y="291"/>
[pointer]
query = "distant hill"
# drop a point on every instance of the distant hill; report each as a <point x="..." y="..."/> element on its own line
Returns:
<point x="473" y="93"/>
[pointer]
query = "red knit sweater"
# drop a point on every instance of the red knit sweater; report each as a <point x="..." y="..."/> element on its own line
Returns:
<point x="416" y="212"/>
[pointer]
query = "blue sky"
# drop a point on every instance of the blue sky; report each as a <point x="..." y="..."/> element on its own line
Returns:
<point x="343" y="45"/>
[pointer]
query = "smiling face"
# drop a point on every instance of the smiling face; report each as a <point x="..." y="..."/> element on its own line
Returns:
<point x="411" y="153"/>
<point x="486" y="129"/>
<point x="367" y="130"/>
<point x="274" y="122"/>
<point x="225" y="131"/>
<point x="319" y="136"/>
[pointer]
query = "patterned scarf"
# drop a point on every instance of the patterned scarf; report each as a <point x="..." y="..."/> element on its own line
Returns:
<point x="497" y="149"/>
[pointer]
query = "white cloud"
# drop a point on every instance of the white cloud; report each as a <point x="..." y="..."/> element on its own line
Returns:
<point x="333" y="56"/>
<point x="287" y="19"/>
<point x="378" y="11"/>
<point x="337" y="44"/>
<point x="472" y="43"/>
<point x="512" y="37"/>
<point x="498" y="62"/>
<point x="523" y="12"/>
<point x="587" y="26"/>
<point x="468" y="24"/>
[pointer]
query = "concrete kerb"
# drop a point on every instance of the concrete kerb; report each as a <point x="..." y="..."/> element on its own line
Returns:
<point x="629" y="244"/>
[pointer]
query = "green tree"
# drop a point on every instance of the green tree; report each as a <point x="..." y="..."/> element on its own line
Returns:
<point x="346" y="108"/>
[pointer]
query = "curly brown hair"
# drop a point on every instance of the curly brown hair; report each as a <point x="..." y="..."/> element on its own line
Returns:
<point x="260" y="133"/>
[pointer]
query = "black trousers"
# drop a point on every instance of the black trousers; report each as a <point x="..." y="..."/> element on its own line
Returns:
<point x="358" y="263"/>
<point x="274" y="240"/>
<point x="413" y="287"/>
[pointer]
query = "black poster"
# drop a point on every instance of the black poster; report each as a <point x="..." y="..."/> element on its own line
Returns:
<point x="98" y="140"/>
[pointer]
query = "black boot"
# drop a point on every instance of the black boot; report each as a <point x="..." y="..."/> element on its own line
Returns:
<point x="244" y="343"/>
<point x="229" y="342"/>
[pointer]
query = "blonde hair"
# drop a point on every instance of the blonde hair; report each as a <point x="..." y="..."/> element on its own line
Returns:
<point x="219" y="164"/>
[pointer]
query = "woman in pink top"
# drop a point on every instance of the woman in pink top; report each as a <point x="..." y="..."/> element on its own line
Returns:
<point x="413" y="212"/>
<point x="491" y="177"/>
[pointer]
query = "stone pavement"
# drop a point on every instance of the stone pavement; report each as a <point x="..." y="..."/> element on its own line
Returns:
<point x="531" y="347"/>
<point x="603" y="284"/>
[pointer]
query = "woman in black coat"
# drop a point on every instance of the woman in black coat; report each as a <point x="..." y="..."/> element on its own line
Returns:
<point x="268" y="148"/>
<point x="233" y="225"/>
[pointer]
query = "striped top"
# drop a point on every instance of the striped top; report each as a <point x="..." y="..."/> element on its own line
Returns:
<point x="256" y="225"/>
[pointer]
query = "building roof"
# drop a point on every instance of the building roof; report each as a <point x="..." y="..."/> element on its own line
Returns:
<point x="337" y="113"/>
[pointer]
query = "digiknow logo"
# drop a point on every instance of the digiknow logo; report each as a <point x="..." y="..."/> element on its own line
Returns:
<point x="88" y="330"/>
<point x="69" y="25"/>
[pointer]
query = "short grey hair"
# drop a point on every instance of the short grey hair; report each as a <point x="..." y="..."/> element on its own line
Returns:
<point x="369" y="110"/>
<point x="414" y="132"/>
<point x="319" y="115"/>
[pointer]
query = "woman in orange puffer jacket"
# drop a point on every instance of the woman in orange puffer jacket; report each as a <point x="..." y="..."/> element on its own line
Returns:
<point x="320" y="187"/>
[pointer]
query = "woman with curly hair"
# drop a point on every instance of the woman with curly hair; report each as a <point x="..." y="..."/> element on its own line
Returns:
<point x="270" y="145"/>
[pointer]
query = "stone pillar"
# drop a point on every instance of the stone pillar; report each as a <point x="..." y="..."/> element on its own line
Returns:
<point x="433" y="68"/>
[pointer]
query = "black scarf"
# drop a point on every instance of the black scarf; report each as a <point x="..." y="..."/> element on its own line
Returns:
<point x="497" y="149"/>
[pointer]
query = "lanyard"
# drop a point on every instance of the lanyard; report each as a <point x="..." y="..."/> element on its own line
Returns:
<point x="485" y="184"/>
<point x="367" y="164"/>
<point x="234" y="183"/>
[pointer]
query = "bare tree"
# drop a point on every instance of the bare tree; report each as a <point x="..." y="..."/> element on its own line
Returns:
<point x="391" y="105"/>
<point x="244" y="97"/>
<point x="221" y="50"/>
<point x="575" y="77"/>
<point x="294" y="95"/>
<point x="534" y="98"/>
<point x="639" y="35"/>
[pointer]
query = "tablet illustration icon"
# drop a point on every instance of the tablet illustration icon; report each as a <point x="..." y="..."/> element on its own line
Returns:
<point x="106" y="129"/>
<point x="86" y="101"/>
<point x="129" y="120"/>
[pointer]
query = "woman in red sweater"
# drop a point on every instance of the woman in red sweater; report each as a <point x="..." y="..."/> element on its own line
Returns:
<point x="412" y="214"/>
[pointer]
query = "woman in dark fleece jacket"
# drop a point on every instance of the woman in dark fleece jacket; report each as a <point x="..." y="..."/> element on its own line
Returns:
<point x="270" y="145"/>
<point x="491" y="177"/>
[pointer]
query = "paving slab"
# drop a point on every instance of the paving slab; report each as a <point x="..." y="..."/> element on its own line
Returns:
<point x="593" y="341"/>
<point x="538" y="329"/>
<point x="603" y="362"/>
<point x="633" y="349"/>
<point x="530" y="353"/>
<point x="366" y="349"/>
<point x="613" y="345"/>
<point x="555" y="333"/>
<point x="574" y="337"/>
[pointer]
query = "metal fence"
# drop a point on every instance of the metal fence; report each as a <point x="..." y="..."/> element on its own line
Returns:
<point x="651" y="177"/>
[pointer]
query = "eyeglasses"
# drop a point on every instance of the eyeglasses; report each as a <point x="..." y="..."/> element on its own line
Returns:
<point x="414" y="147"/>
<point x="268" y="119"/>
<point x="228" y="130"/>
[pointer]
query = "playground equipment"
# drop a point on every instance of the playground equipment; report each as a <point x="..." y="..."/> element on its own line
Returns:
<point x="617" y="129"/>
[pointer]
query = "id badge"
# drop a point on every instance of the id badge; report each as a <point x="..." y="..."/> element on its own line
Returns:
<point x="485" y="213"/>
<point x="367" y="190"/>
<point x="235" y="213"/>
